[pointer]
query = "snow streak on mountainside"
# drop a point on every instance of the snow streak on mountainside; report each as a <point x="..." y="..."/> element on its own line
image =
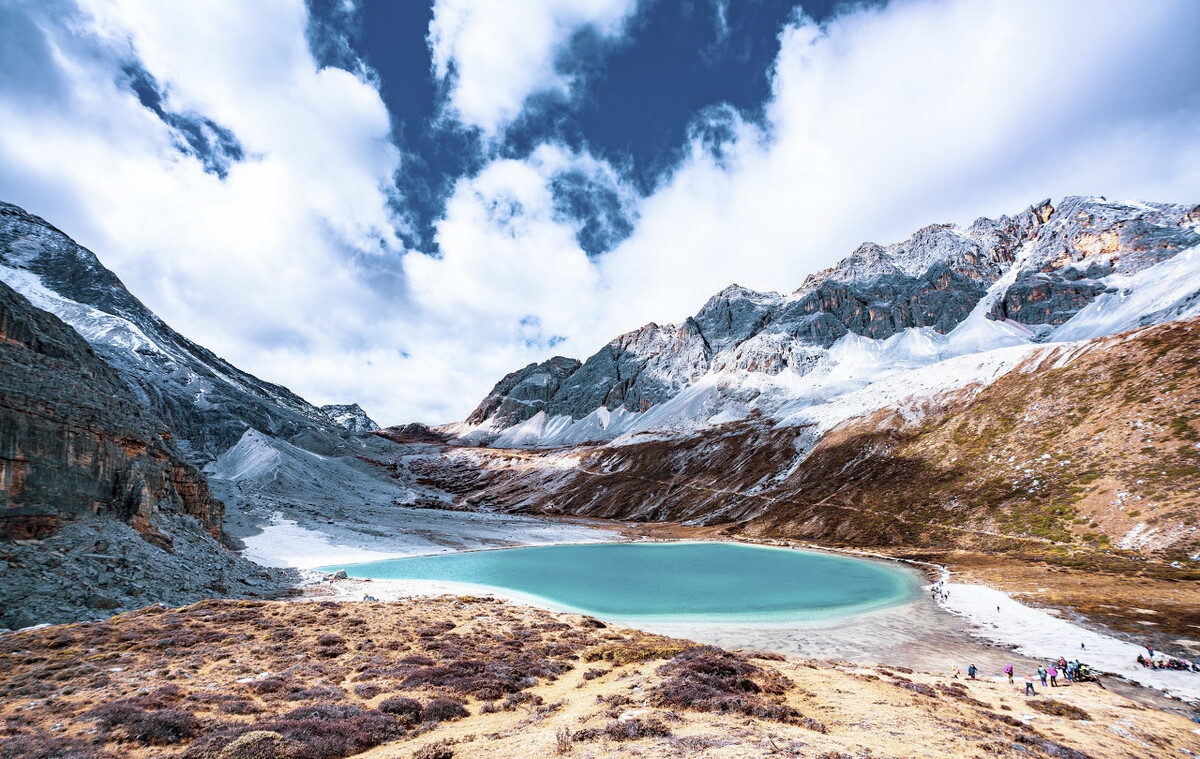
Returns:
<point x="206" y="402"/>
<point x="942" y="310"/>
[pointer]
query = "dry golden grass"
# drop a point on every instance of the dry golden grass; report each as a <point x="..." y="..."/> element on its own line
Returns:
<point x="259" y="679"/>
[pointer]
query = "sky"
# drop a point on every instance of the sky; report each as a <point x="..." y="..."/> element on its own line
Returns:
<point x="396" y="203"/>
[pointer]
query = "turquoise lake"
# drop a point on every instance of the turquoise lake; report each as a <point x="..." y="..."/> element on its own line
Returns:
<point x="688" y="581"/>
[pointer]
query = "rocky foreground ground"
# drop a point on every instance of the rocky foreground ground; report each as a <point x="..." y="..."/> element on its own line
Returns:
<point x="468" y="676"/>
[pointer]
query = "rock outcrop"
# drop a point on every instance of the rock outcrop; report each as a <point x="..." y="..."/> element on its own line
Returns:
<point x="351" y="416"/>
<point x="205" y="401"/>
<point x="75" y="441"/>
<point x="99" y="510"/>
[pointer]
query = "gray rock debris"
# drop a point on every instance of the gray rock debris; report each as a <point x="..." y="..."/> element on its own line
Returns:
<point x="97" y="567"/>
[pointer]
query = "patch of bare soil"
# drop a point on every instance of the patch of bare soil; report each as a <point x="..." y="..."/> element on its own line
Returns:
<point x="473" y="677"/>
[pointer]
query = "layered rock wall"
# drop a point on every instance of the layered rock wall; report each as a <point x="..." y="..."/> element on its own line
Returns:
<point x="75" y="441"/>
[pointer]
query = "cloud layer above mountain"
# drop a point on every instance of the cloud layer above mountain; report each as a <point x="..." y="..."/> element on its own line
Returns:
<point x="250" y="186"/>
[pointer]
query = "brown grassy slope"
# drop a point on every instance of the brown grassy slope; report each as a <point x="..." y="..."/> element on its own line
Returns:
<point x="411" y="679"/>
<point x="1077" y="450"/>
<point x="1056" y="462"/>
<point x="1069" y="452"/>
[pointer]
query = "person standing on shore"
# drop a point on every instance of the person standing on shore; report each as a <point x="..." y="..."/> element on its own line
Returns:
<point x="1008" y="670"/>
<point x="971" y="671"/>
<point x="1029" y="691"/>
<point x="1042" y="674"/>
<point x="1053" y="676"/>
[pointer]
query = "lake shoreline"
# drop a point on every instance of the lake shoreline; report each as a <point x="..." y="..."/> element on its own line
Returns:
<point x="949" y="634"/>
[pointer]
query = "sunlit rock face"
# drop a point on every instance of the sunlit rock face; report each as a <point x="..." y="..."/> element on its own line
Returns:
<point x="944" y="292"/>
<point x="76" y="442"/>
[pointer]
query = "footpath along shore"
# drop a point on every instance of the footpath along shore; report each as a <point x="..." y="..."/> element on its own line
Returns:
<point x="1040" y="635"/>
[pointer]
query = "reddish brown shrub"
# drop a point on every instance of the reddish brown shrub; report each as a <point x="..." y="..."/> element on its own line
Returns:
<point x="329" y="731"/>
<point x="406" y="709"/>
<point x="367" y="691"/>
<point x="627" y="730"/>
<point x="46" y="746"/>
<point x="443" y="710"/>
<point x="439" y="750"/>
<point x="709" y="679"/>
<point x="156" y="728"/>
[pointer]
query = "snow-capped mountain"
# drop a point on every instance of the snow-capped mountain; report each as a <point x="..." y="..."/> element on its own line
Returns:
<point x="207" y="402"/>
<point x="306" y="463"/>
<point x="351" y="416"/>
<point x="944" y="309"/>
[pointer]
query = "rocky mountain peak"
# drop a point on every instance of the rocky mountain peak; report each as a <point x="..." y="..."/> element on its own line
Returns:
<point x="351" y="416"/>
<point x="1037" y="269"/>
<point x="207" y="402"/>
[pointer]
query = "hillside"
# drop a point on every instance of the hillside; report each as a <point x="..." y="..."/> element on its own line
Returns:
<point x="1082" y="456"/>
<point x="99" y="511"/>
<point x="470" y="677"/>
<point x="1084" y="446"/>
<point x="264" y="452"/>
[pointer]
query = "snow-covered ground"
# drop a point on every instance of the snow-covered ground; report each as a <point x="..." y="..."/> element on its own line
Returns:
<point x="411" y="532"/>
<point x="1040" y="635"/>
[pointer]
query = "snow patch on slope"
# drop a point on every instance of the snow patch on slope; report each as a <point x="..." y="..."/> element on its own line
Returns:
<point x="94" y="325"/>
<point x="1170" y="290"/>
<point x="858" y="375"/>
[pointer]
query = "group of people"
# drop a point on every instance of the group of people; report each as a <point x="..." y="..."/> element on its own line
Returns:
<point x="1150" y="661"/>
<point x="1073" y="671"/>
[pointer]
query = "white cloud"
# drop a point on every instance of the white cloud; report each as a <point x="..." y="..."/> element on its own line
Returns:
<point x="888" y="119"/>
<point x="270" y="267"/>
<point x="512" y="284"/>
<point x="494" y="55"/>
<point x="880" y="122"/>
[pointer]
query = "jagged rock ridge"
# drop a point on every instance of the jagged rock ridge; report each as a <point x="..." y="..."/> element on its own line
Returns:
<point x="1029" y="274"/>
<point x="351" y="416"/>
<point x="207" y="402"/>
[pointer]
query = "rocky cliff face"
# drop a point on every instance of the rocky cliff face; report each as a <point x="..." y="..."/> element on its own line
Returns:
<point x="104" y="417"/>
<point x="206" y="402"/>
<point x="99" y="511"/>
<point x="944" y="291"/>
<point x="75" y="441"/>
